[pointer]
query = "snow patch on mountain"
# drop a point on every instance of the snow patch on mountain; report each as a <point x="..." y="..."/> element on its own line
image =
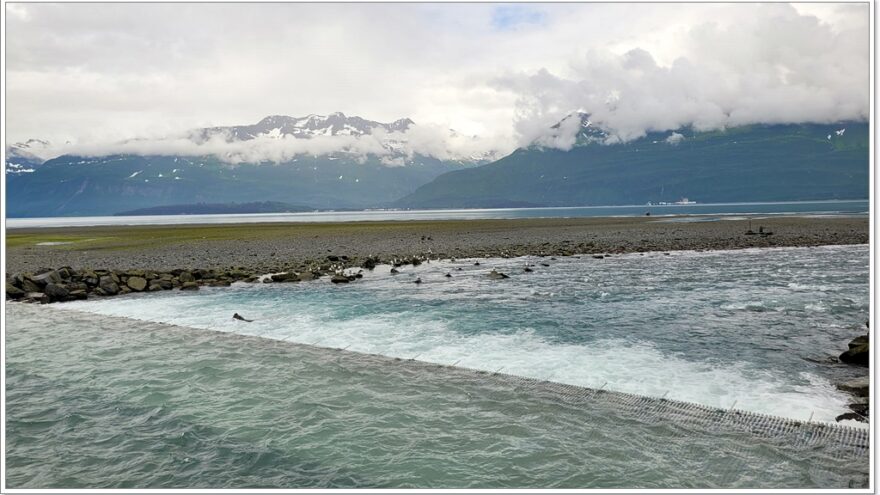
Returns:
<point x="24" y="158"/>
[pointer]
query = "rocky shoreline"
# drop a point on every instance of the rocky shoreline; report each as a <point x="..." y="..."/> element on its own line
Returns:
<point x="858" y="355"/>
<point x="68" y="284"/>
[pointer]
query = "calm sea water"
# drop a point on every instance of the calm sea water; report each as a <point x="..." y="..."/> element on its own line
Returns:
<point x="720" y="210"/>
<point x="98" y="400"/>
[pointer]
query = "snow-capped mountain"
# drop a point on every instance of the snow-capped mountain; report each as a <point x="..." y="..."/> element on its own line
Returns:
<point x="325" y="162"/>
<point x="577" y="127"/>
<point x="310" y="126"/>
<point x="23" y="158"/>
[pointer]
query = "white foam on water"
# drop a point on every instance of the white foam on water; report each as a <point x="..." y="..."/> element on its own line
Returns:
<point x="625" y="366"/>
<point x="450" y="320"/>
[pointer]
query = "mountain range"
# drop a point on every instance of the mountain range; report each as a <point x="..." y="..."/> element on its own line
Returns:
<point x="749" y="163"/>
<point x="278" y="126"/>
<point x="72" y="185"/>
<point x="741" y="164"/>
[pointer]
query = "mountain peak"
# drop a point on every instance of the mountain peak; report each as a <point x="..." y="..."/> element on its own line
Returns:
<point x="309" y="126"/>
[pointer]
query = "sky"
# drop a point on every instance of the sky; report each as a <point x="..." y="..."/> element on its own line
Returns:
<point x="96" y="74"/>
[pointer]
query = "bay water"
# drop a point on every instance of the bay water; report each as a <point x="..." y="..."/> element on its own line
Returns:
<point x="701" y="212"/>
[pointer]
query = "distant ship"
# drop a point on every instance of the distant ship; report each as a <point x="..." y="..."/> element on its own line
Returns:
<point x="682" y="201"/>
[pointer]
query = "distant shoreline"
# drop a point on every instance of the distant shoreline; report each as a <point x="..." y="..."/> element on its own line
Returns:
<point x="275" y="247"/>
<point x="163" y="216"/>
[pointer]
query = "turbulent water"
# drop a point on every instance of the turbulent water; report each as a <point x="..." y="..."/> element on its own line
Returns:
<point x="99" y="401"/>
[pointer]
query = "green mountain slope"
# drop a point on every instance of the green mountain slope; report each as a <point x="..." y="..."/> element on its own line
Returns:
<point x="752" y="163"/>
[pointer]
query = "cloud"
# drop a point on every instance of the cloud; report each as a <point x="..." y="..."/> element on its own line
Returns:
<point x="674" y="138"/>
<point x="779" y="66"/>
<point x="96" y="74"/>
<point x="393" y="148"/>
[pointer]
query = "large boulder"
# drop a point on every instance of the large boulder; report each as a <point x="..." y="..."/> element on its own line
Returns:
<point x="45" y="278"/>
<point x="189" y="286"/>
<point x="857" y="355"/>
<point x="13" y="292"/>
<point x="340" y="279"/>
<point x="78" y="294"/>
<point x="56" y="292"/>
<point x="861" y="339"/>
<point x="136" y="284"/>
<point x="186" y="277"/>
<point x="858" y="387"/>
<point x="237" y="274"/>
<point x="160" y="284"/>
<point x="285" y="277"/>
<point x="29" y="285"/>
<point x="90" y="278"/>
<point x="72" y="286"/>
<point x="36" y="297"/>
<point x="108" y="286"/>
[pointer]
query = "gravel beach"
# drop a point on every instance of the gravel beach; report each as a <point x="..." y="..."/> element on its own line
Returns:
<point x="265" y="248"/>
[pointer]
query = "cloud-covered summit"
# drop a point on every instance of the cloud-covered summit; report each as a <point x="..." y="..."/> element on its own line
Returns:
<point x="280" y="138"/>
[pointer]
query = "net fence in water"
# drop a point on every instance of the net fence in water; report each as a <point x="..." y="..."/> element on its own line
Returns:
<point x="834" y="440"/>
<point x="838" y="441"/>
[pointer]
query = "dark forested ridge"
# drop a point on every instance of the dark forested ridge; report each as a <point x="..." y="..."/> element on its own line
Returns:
<point x="751" y="163"/>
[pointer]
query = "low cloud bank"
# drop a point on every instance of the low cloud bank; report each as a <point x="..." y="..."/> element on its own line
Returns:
<point x="393" y="148"/>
